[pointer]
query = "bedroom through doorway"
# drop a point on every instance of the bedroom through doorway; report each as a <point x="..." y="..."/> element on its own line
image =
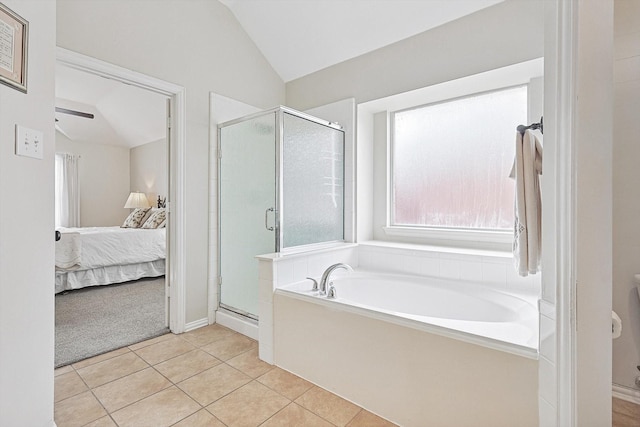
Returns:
<point x="112" y="188"/>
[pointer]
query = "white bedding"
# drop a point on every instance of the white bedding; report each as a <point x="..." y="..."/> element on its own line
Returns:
<point x="106" y="246"/>
<point x="68" y="280"/>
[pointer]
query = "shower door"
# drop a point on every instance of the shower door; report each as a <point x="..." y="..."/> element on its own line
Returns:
<point x="247" y="210"/>
<point x="281" y="187"/>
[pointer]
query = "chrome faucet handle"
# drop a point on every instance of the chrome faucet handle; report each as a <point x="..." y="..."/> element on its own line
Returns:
<point x="315" y="284"/>
<point x="332" y="293"/>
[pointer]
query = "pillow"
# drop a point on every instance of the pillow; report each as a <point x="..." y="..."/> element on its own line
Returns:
<point x="156" y="220"/>
<point x="135" y="218"/>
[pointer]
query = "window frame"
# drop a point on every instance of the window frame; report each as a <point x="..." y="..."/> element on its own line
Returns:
<point x="474" y="237"/>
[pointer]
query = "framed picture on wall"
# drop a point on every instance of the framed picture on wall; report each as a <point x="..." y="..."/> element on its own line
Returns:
<point x="14" y="36"/>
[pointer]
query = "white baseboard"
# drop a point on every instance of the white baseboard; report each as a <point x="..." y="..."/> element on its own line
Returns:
<point x="196" y="324"/>
<point x="626" y="393"/>
<point x="238" y="323"/>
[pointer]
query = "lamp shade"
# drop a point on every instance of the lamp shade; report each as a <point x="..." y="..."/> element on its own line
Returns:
<point x="137" y="200"/>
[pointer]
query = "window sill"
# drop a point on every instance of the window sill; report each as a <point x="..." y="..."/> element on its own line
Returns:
<point x="479" y="239"/>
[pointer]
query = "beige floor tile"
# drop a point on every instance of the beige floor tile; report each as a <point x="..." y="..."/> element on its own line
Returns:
<point x="100" y="358"/>
<point x="622" y="420"/>
<point x="152" y="341"/>
<point x="165" y="350"/>
<point x="367" y="419"/>
<point x="212" y="384"/>
<point x="250" y="364"/>
<point x="208" y="334"/>
<point x="626" y="408"/>
<point x="625" y="414"/>
<point x="186" y="365"/>
<point x="78" y="410"/>
<point x="163" y="409"/>
<point x="102" y="422"/>
<point x="248" y="406"/>
<point x="67" y="385"/>
<point x="63" y="370"/>
<point x="127" y="390"/>
<point x="329" y="406"/>
<point x="230" y="347"/>
<point x="201" y="418"/>
<point x="285" y="383"/>
<point x="111" y="369"/>
<point x="296" y="415"/>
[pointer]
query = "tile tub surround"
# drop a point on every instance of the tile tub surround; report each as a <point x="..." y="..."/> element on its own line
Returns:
<point x="408" y="376"/>
<point x="179" y="380"/>
<point x="276" y="270"/>
<point x="489" y="268"/>
<point x="510" y="378"/>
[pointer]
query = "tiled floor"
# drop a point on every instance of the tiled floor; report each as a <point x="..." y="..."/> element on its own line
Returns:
<point x="208" y="377"/>
<point x="625" y="414"/>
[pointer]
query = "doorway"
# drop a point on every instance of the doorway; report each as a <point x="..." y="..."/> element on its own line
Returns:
<point x="173" y="197"/>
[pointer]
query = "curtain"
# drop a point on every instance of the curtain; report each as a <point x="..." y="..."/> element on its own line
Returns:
<point x="67" y="197"/>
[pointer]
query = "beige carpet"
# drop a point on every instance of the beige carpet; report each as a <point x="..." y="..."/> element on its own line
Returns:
<point x="99" y="319"/>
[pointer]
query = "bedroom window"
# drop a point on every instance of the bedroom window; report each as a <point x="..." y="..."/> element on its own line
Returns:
<point x="67" y="191"/>
<point x="450" y="162"/>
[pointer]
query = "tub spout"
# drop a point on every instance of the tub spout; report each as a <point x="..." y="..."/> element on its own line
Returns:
<point x="327" y="275"/>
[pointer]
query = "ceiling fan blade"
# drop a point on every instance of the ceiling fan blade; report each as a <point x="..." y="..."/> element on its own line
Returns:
<point x="74" y="113"/>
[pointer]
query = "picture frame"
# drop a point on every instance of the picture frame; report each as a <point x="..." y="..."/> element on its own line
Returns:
<point x="14" y="41"/>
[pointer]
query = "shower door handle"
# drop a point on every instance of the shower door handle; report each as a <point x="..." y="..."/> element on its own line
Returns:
<point x="266" y="217"/>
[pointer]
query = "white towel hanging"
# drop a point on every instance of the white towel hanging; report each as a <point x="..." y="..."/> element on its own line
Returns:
<point x="526" y="170"/>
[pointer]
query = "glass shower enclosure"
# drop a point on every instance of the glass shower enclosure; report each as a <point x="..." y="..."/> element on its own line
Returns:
<point x="280" y="188"/>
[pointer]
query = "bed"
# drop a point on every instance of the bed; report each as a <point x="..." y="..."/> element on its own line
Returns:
<point x="95" y="256"/>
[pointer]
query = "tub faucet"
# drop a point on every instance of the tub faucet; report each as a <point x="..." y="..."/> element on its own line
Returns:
<point x="327" y="275"/>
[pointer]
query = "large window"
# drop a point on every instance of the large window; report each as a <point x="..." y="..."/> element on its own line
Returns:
<point x="451" y="162"/>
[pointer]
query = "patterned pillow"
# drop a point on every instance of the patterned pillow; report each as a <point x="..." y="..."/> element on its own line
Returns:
<point x="156" y="220"/>
<point x="135" y="218"/>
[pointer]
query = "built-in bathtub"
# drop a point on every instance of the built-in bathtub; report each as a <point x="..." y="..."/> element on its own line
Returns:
<point x="415" y="350"/>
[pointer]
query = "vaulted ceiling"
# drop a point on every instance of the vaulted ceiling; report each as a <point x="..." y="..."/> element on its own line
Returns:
<point x="124" y="115"/>
<point x="299" y="37"/>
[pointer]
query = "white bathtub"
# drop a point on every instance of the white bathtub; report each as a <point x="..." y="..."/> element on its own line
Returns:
<point x="466" y="311"/>
<point x="415" y="351"/>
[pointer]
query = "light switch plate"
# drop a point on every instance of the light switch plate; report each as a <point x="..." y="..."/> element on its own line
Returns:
<point x="29" y="142"/>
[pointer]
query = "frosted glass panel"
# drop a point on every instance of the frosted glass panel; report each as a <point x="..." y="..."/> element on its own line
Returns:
<point x="313" y="183"/>
<point x="451" y="161"/>
<point x="247" y="190"/>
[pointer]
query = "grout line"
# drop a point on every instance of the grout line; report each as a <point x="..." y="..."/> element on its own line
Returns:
<point x="354" y="417"/>
<point x="277" y="412"/>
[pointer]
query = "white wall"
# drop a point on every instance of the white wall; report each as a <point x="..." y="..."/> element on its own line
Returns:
<point x="593" y="140"/>
<point x="626" y="192"/>
<point x="26" y="233"/>
<point x="197" y="44"/>
<point x="149" y="170"/>
<point x="491" y="38"/>
<point x="103" y="174"/>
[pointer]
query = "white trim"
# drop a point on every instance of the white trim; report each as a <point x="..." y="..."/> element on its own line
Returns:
<point x="177" y="249"/>
<point x="565" y="191"/>
<point x="196" y="324"/>
<point x="176" y="256"/>
<point x="626" y="393"/>
<point x="240" y="324"/>
<point x="451" y="234"/>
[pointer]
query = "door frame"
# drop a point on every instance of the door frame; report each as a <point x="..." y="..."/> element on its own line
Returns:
<point x="176" y="258"/>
